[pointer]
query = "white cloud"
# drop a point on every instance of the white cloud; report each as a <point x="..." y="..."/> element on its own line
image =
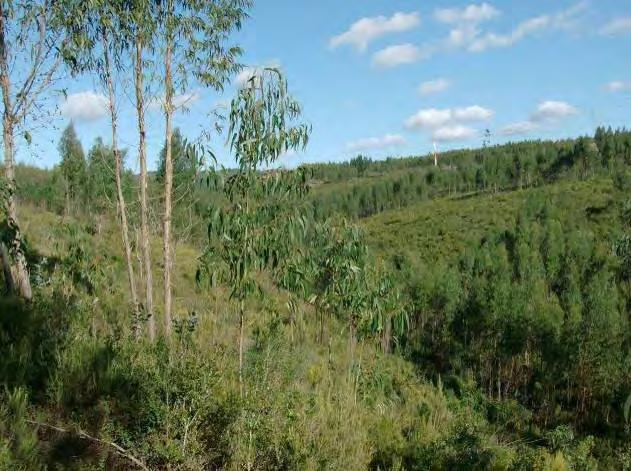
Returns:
<point x="460" y="37"/>
<point x="449" y="124"/>
<point x="398" y="55"/>
<point x="429" y="118"/>
<point x="617" y="26"/>
<point x="522" y="30"/>
<point x="519" y="128"/>
<point x="565" y="19"/>
<point x="466" y="21"/>
<point x="432" y="118"/>
<point x="553" y="111"/>
<point x="222" y="104"/>
<point x="371" y="143"/>
<point x="618" y="86"/>
<point x="365" y="30"/>
<point x="469" y="14"/>
<point x="84" y="106"/>
<point x="455" y="132"/>
<point x="288" y="154"/>
<point x="434" y="86"/>
<point x="180" y="102"/>
<point x="186" y="99"/>
<point x="471" y="114"/>
<point x="247" y="73"/>
<point x="546" y="114"/>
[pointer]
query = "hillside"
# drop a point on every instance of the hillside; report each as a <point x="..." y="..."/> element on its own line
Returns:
<point x="439" y="230"/>
<point x="305" y="406"/>
<point x="186" y="285"/>
<point x="456" y="322"/>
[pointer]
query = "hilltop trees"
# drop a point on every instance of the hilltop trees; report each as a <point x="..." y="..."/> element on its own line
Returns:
<point x="520" y="165"/>
<point x="361" y="164"/>
<point x="73" y="166"/>
<point x="187" y="166"/>
<point x="101" y="182"/>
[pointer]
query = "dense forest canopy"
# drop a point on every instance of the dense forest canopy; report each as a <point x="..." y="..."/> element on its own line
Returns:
<point x="468" y="310"/>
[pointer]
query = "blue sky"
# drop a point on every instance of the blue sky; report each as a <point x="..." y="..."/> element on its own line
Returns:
<point x="391" y="77"/>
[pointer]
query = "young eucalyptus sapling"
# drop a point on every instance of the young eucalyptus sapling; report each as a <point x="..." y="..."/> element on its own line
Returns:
<point x="339" y="272"/>
<point x="386" y="315"/>
<point x="263" y="125"/>
<point x="343" y="278"/>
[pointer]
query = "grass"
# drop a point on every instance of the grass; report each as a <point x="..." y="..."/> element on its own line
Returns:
<point x="305" y="406"/>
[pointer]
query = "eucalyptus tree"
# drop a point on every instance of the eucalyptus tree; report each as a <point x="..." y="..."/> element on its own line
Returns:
<point x="341" y="278"/>
<point x="97" y="32"/>
<point x="142" y="27"/>
<point x="284" y="242"/>
<point x="387" y="315"/>
<point x="32" y="47"/>
<point x="196" y="35"/>
<point x="263" y="124"/>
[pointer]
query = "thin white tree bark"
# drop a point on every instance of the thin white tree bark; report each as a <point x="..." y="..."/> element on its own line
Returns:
<point x="168" y="175"/>
<point x="144" y="218"/>
<point x="122" y="210"/>
<point x="16" y="246"/>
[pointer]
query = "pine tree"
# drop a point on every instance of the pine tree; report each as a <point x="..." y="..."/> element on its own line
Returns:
<point x="73" y="167"/>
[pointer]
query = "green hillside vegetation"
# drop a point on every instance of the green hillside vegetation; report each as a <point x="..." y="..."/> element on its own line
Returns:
<point x="363" y="188"/>
<point x="364" y="315"/>
<point x="430" y="384"/>
<point x="441" y="229"/>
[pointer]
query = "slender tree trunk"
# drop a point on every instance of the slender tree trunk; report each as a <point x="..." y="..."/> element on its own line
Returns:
<point x="321" y="325"/>
<point x="144" y="223"/>
<point x="168" y="176"/>
<point x="6" y="268"/>
<point x="122" y="211"/>
<point x="16" y="246"/>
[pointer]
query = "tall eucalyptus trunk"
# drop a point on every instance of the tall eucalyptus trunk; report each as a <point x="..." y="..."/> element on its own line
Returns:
<point x="168" y="173"/>
<point x="144" y="217"/>
<point x="16" y="244"/>
<point x="122" y="210"/>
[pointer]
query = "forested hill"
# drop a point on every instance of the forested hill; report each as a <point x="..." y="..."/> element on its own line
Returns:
<point x="469" y="310"/>
<point x="363" y="187"/>
<point x="470" y="315"/>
